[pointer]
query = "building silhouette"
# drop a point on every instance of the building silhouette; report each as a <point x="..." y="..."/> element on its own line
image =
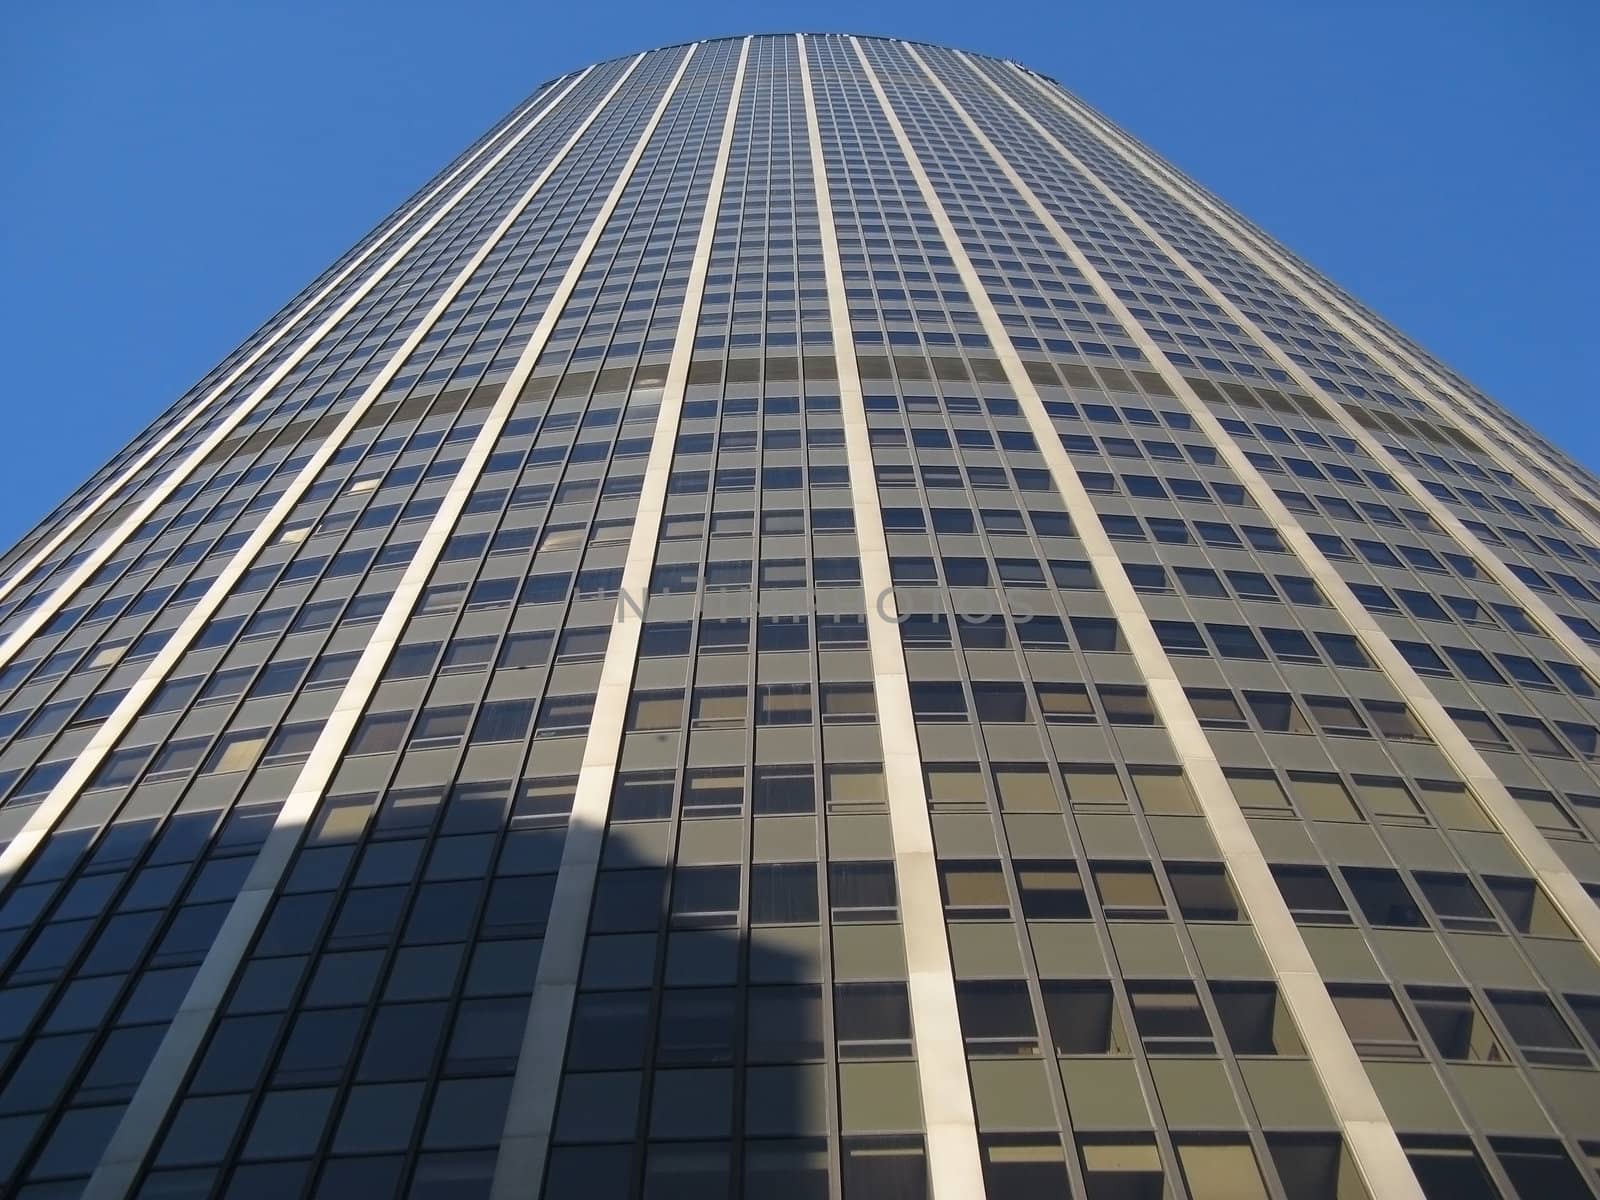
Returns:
<point x="806" y="620"/>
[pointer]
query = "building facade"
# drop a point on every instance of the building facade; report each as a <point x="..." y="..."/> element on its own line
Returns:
<point x="808" y="619"/>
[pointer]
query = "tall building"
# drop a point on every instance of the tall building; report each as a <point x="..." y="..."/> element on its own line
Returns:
<point x="808" y="619"/>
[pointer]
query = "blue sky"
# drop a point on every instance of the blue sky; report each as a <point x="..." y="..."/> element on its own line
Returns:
<point x="176" y="169"/>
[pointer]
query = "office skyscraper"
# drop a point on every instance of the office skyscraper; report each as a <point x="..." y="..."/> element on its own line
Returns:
<point x="808" y="620"/>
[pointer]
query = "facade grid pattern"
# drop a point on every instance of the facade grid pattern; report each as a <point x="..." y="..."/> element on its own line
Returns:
<point x="808" y="619"/>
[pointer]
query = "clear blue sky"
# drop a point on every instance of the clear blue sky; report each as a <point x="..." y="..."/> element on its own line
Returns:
<point x="174" y="170"/>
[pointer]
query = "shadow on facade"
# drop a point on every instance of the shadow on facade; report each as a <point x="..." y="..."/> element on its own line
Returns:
<point x="701" y="1058"/>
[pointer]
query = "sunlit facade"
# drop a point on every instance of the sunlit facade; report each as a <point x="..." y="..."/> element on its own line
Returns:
<point x="808" y="620"/>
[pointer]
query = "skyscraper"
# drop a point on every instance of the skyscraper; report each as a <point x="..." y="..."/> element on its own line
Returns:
<point x="809" y="619"/>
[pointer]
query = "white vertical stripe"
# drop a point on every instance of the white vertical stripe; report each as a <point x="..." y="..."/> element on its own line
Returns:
<point x="1513" y="821"/>
<point x="955" y="1164"/>
<point x="157" y="495"/>
<point x="21" y="572"/>
<point x="1282" y="270"/>
<point x="1368" y="1132"/>
<point x="157" y="1091"/>
<point x="530" y="1116"/>
<point x="54" y="806"/>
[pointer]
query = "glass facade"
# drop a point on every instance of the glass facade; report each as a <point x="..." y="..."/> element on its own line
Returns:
<point x="808" y="620"/>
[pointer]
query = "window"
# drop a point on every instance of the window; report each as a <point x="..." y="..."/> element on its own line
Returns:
<point x="1384" y="898"/>
<point x="122" y="767"/>
<point x="1129" y="891"/>
<point x="1255" y="1020"/>
<point x="1203" y="892"/>
<point x="973" y="890"/>
<point x="1121" y="1168"/>
<point x="1538" y="1029"/>
<point x="642" y="796"/>
<point x="1235" y="641"/>
<point x="1277" y="712"/>
<point x="932" y="701"/>
<point x="1064" y="703"/>
<point x="563" y="715"/>
<point x="467" y="654"/>
<point x="438" y="727"/>
<point x="717" y="708"/>
<point x="1455" y="1025"/>
<point x="1290" y="645"/>
<point x="1455" y="901"/>
<point x="1583" y="736"/>
<point x="1423" y="658"/>
<point x="1375" y="1023"/>
<point x="237" y="751"/>
<point x="1001" y="702"/>
<point x="1217" y="1169"/>
<point x="847" y="632"/>
<point x="1098" y="634"/>
<point x="1393" y="721"/>
<point x="664" y="639"/>
<point x="1082" y="1018"/>
<point x="705" y="897"/>
<point x="626" y="900"/>
<point x="1450" y="1167"/>
<point x="1343" y="650"/>
<point x="1181" y="637"/>
<point x="955" y="788"/>
<point x="1479" y="728"/>
<point x="1023" y="1166"/>
<point x="783" y="633"/>
<point x="226" y="684"/>
<point x="779" y="790"/>
<point x="582" y="645"/>
<point x="1215" y="708"/>
<point x="966" y="572"/>
<point x="1546" y="812"/>
<point x="783" y="894"/>
<point x="1163" y="791"/>
<point x="1093" y="788"/>
<point x="278" y="679"/>
<point x="862" y="891"/>
<point x="1126" y="704"/>
<point x="1387" y="799"/>
<point x="175" y="758"/>
<point x="1200" y="581"/>
<point x="696" y="1027"/>
<point x="1336" y="716"/>
<point x="292" y="743"/>
<point x="1072" y="575"/>
<point x="854" y="788"/>
<point x="1169" y="1019"/>
<point x="1541" y="1168"/>
<point x="503" y="721"/>
<point x="713" y="792"/>
<point x="1311" y="895"/>
<point x="522" y="650"/>
<point x="1042" y="633"/>
<point x="1526" y="907"/>
<point x="872" y="1020"/>
<point x="1534" y="736"/>
<point x="996" y="1017"/>
<point x="785" y="1024"/>
<point x="1051" y="891"/>
<point x="173" y="695"/>
<point x="783" y="704"/>
<point x="1321" y="797"/>
<point x="986" y="632"/>
<point x="848" y="704"/>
